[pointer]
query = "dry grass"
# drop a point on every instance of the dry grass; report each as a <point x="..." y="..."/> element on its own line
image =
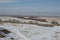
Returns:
<point x="54" y="23"/>
<point x="46" y="25"/>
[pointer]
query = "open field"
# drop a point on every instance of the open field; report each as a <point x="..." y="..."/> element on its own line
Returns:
<point x="29" y="28"/>
<point x="35" y="20"/>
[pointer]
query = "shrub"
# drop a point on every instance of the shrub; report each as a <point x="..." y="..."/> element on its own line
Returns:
<point x="13" y="21"/>
<point x="0" y="19"/>
<point x="41" y="20"/>
<point x="46" y="25"/>
<point x="55" y="23"/>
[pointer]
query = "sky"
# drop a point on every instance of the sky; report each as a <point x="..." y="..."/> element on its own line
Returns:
<point x="30" y="7"/>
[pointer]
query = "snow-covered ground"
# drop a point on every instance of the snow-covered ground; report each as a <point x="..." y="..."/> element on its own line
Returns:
<point x="23" y="20"/>
<point x="30" y="32"/>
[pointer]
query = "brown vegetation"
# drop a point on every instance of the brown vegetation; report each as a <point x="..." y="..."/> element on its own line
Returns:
<point x="1" y="36"/>
<point x="3" y="32"/>
<point x="41" y="20"/>
<point x="55" y="23"/>
<point x="46" y="25"/>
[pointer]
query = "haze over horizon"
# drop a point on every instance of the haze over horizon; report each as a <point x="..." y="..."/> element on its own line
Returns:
<point x="30" y="7"/>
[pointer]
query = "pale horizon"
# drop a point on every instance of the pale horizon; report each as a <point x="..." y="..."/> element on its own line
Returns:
<point x="30" y="7"/>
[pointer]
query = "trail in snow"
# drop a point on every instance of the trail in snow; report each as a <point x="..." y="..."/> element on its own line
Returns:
<point x="30" y="31"/>
<point x="15" y="32"/>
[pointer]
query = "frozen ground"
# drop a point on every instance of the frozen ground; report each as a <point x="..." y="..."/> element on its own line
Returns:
<point x="30" y="32"/>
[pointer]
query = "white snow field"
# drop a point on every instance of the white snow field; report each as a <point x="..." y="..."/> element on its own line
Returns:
<point x="30" y="32"/>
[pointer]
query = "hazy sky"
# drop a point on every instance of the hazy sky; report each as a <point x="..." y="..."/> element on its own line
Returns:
<point x="30" y="7"/>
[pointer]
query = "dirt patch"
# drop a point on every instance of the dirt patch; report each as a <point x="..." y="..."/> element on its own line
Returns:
<point x="3" y="32"/>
